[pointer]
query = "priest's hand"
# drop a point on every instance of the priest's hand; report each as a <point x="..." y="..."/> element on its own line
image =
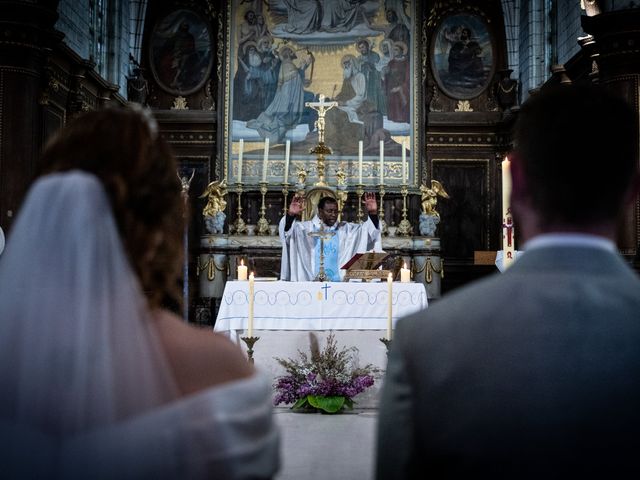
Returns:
<point x="297" y="205"/>
<point x="370" y="202"/>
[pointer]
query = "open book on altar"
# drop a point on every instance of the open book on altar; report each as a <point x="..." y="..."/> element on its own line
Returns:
<point x="366" y="266"/>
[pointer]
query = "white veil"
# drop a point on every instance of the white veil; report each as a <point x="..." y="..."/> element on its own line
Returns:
<point x="77" y="350"/>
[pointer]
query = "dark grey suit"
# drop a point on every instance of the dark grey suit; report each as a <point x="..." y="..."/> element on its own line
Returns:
<point x="534" y="373"/>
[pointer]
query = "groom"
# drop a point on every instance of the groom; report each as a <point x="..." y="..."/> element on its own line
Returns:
<point x="534" y="373"/>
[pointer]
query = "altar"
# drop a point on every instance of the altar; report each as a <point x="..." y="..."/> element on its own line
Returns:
<point x="286" y="312"/>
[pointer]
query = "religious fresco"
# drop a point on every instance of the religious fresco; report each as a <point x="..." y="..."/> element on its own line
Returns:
<point x="180" y="52"/>
<point x="462" y="58"/>
<point x="285" y="53"/>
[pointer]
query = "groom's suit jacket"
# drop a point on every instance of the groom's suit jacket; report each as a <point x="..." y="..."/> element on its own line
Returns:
<point x="534" y="373"/>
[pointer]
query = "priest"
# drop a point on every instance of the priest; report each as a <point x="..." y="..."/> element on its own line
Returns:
<point x="301" y="251"/>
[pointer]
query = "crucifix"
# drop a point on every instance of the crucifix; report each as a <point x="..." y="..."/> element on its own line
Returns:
<point x="322" y="108"/>
<point x="321" y="149"/>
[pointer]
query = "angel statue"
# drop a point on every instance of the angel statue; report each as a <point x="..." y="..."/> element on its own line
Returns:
<point x="429" y="218"/>
<point x="213" y="212"/>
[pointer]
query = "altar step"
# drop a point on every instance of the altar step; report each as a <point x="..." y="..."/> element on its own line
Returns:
<point x="317" y="446"/>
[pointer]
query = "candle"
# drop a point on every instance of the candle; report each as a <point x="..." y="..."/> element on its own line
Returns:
<point x="240" y="152"/>
<point x="251" y="295"/>
<point x="404" y="162"/>
<point x="265" y="159"/>
<point x="381" y="162"/>
<point x="405" y="274"/>
<point x="508" y="249"/>
<point x="390" y="312"/>
<point x="242" y="271"/>
<point x="287" y="149"/>
<point x="360" y="162"/>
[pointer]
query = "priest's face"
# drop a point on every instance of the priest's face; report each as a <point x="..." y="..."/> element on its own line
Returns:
<point x="328" y="214"/>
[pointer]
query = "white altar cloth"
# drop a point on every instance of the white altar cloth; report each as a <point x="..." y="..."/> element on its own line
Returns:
<point x="285" y="313"/>
<point x="317" y="305"/>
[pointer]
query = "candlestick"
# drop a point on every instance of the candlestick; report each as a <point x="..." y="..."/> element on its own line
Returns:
<point x="263" y="223"/>
<point x="287" y="149"/>
<point x="285" y="194"/>
<point x="240" y="153"/>
<point x="381" y="162"/>
<point x="250" y="342"/>
<point x="360" y="162"/>
<point x="405" y="274"/>
<point x="405" y="228"/>
<point x="239" y="226"/>
<point x="390" y="306"/>
<point x="508" y="247"/>
<point x="404" y="162"/>
<point x="384" y="230"/>
<point x="359" y="193"/>
<point x="251" y="299"/>
<point x="265" y="159"/>
<point x="242" y="271"/>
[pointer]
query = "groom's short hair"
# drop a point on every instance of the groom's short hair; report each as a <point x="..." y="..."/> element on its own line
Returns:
<point x="577" y="146"/>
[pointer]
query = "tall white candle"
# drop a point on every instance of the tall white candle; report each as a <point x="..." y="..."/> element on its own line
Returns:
<point x="251" y="295"/>
<point x="390" y="306"/>
<point x="404" y="162"/>
<point x="508" y="246"/>
<point x="360" y="162"/>
<point x="265" y="159"/>
<point x="242" y="271"/>
<point x="240" y="153"/>
<point x="381" y="162"/>
<point x="287" y="150"/>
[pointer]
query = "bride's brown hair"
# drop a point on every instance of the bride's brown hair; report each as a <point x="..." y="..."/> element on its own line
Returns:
<point x="123" y="149"/>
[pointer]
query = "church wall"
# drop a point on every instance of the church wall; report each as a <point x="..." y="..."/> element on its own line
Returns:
<point x="569" y="29"/>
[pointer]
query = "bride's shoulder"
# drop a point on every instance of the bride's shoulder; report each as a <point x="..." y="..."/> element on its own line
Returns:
<point x="199" y="357"/>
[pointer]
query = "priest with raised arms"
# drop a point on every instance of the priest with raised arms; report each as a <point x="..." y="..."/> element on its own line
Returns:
<point x="301" y="251"/>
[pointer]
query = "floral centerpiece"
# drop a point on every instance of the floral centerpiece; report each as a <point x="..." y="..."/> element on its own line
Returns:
<point x="326" y="381"/>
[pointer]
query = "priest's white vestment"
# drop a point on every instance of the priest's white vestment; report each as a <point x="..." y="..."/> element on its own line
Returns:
<point x="299" y="248"/>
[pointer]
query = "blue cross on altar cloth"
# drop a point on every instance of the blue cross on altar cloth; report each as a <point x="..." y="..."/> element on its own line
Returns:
<point x="331" y="252"/>
<point x="326" y="290"/>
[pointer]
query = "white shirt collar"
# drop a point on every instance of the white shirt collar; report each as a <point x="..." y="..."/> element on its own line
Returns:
<point x="569" y="240"/>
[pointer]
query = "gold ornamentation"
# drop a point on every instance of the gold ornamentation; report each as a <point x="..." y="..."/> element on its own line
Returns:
<point x="263" y="223"/>
<point x="430" y="197"/>
<point x="464" y="106"/>
<point x="215" y="192"/>
<point x="405" y="229"/>
<point x="179" y="103"/>
<point x="211" y="266"/>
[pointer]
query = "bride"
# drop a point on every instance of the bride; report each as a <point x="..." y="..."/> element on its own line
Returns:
<point x="100" y="381"/>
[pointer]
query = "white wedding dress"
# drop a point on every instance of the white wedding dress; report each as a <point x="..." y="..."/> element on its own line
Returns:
<point x="87" y="391"/>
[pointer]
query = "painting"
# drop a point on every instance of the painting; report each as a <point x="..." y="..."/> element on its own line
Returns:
<point x="284" y="54"/>
<point x="462" y="58"/>
<point x="180" y="51"/>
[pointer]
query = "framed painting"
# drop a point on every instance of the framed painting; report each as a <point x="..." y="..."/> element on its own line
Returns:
<point x="462" y="56"/>
<point x="282" y="55"/>
<point x="180" y="52"/>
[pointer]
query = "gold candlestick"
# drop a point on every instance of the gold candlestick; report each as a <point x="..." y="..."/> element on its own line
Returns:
<point x="405" y="228"/>
<point x="359" y="193"/>
<point x="239" y="226"/>
<point x="263" y="223"/>
<point x="285" y="194"/>
<point x="383" y="225"/>
<point x="250" y="341"/>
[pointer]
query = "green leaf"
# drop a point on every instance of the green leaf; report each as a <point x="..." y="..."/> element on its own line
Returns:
<point x="301" y="403"/>
<point x="349" y="403"/>
<point x="328" y="404"/>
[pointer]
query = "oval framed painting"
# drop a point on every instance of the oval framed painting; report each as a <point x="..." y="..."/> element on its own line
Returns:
<point x="180" y="52"/>
<point x="462" y="56"/>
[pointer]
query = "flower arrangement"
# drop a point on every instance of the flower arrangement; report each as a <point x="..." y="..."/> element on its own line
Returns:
<point x="326" y="381"/>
